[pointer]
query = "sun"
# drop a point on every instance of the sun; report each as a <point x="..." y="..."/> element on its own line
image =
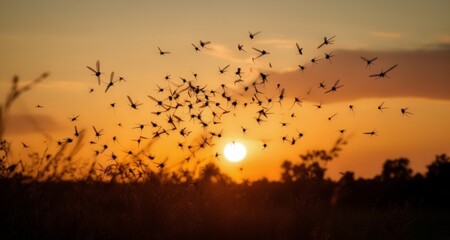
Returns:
<point x="235" y="151"/>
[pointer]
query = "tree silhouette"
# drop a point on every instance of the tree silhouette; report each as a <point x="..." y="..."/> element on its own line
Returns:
<point x="210" y="173"/>
<point x="397" y="169"/>
<point x="439" y="169"/>
<point x="313" y="165"/>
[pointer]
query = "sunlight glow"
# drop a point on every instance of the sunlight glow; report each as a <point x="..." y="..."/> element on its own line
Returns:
<point x="235" y="151"/>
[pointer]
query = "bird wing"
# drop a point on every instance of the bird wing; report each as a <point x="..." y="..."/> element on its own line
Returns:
<point x="91" y="69"/>
<point x="391" y="68"/>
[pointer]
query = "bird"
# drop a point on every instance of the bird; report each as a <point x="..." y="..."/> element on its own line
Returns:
<point x="326" y="41"/>
<point x="352" y="108"/>
<point x="197" y="49"/>
<point x="335" y="87"/>
<point x="319" y="106"/>
<point x="203" y="44"/>
<point x="331" y="117"/>
<point x="162" y="53"/>
<point x="241" y="47"/>
<point x="369" y="61"/>
<point x="381" y="107"/>
<point x="261" y="53"/>
<point x="133" y="105"/>
<point x="328" y="56"/>
<point x="299" y="49"/>
<point x="383" y="74"/>
<point x="405" y="112"/>
<point x="253" y="35"/>
<point x="74" y="118"/>
<point x="371" y="133"/>
<point x="314" y="60"/>
<point x="301" y="67"/>
<point x="96" y="71"/>
<point x="224" y="69"/>
<point x="98" y="133"/>
<point x="111" y="82"/>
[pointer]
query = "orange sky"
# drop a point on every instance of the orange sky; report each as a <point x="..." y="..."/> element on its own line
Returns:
<point x="64" y="38"/>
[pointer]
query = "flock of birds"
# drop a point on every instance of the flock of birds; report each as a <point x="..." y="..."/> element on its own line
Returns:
<point x="184" y="105"/>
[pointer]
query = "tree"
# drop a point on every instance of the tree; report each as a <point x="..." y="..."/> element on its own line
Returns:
<point x="210" y="173"/>
<point x="440" y="168"/>
<point x="397" y="169"/>
<point x="313" y="165"/>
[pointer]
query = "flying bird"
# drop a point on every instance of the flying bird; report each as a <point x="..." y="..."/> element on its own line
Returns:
<point x="405" y="112"/>
<point x="133" y="105"/>
<point x="96" y="72"/>
<point x="381" y="107"/>
<point x="203" y="44"/>
<point x="369" y="61"/>
<point x="335" y="87"/>
<point x="224" y="69"/>
<point x="328" y="56"/>
<point x="371" y="133"/>
<point x="261" y="53"/>
<point x="299" y="49"/>
<point x="162" y="53"/>
<point x="253" y="35"/>
<point x="241" y="47"/>
<point x="197" y="49"/>
<point x="326" y="41"/>
<point x="383" y="74"/>
<point x="74" y="118"/>
<point x="111" y="82"/>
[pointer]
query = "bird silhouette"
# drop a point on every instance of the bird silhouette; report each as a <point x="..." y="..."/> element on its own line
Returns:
<point x="326" y="41"/>
<point x="383" y="74"/>
<point x="241" y="47"/>
<point x="381" y="107"/>
<point x="133" y="105"/>
<point x="162" y="53"/>
<point x="96" y="71"/>
<point x="369" y="61"/>
<point x="299" y="49"/>
<point x="335" y="87"/>
<point x="405" y="112"/>
<point x="197" y="49"/>
<point x="261" y="53"/>
<point x="371" y="133"/>
<point x="253" y="35"/>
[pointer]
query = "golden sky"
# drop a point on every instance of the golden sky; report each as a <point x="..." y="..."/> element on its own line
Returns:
<point x="65" y="37"/>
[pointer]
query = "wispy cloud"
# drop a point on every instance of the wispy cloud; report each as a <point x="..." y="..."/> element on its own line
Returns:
<point x="224" y="52"/>
<point x="443" y="39"/>
<point x="32" y="123"/>
<point x="387" y="35"/>
<point x="64" y="85"/>
<point x="278" y="42"/>
<point x="421" y="73"/>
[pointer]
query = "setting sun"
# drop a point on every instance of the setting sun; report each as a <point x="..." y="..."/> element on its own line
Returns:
<point x="235" y="151"/>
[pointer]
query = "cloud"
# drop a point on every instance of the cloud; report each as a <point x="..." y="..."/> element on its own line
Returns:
<point x="420" y="73"/>
<point x="387" y="35"/>
<point x="278" y="42"/>
<point x="443" y="39"/>
<point x="31" y="123"/>
<point x="223" y="52"/>
<point x="64" y="85"/>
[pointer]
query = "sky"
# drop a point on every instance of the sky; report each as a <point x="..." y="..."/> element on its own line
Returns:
<point x="65" y="37"/>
